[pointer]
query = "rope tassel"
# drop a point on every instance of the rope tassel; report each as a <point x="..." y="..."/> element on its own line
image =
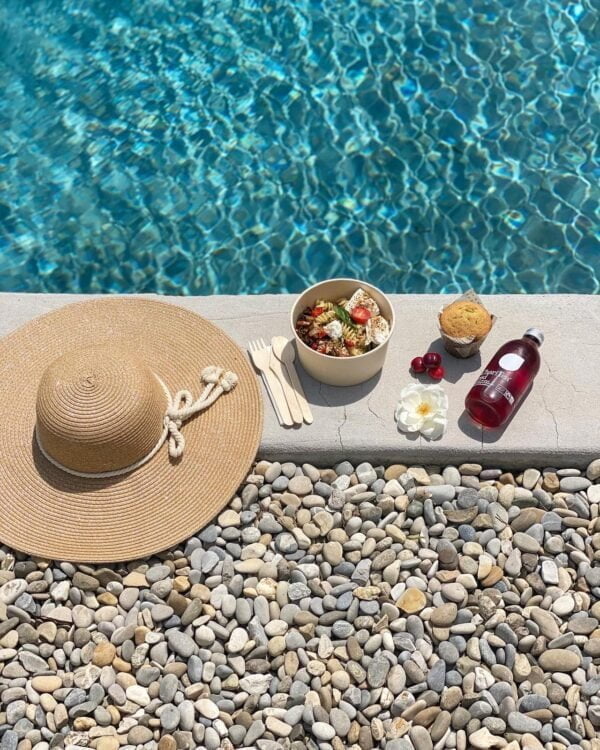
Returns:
<point x="217" y="381"/>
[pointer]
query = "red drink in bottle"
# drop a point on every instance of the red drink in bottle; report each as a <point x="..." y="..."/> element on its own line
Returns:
<point x="506" y="379"/>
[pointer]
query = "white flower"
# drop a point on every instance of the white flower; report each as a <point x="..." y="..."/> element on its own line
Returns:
<point x="423" y="408"/>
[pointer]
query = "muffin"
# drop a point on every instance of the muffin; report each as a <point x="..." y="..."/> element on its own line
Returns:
<point x="465" y="320"/>
<point x="464" y="325"/>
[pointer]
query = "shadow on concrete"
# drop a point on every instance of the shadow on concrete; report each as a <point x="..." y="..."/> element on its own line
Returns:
<point x="469" y="427"/>
<point x="454" y="367"/>
<point x="413" y="436"/>
<point x="321" y="394"/>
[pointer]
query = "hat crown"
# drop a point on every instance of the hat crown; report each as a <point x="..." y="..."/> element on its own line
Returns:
<point x="99" y="409"/>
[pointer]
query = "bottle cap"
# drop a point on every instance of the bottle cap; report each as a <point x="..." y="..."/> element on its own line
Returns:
<point x="535" y="333"/>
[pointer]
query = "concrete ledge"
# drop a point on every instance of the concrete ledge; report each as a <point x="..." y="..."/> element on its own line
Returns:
<point x="558" y="424"/>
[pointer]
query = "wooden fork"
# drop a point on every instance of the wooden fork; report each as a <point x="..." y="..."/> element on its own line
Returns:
<point x="261" y="357"/>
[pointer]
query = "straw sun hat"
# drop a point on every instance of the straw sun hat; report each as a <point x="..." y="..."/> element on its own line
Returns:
<point x="102" y="456"/>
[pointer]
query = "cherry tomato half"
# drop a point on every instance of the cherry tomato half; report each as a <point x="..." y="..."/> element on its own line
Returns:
<point x="360" y="315"/>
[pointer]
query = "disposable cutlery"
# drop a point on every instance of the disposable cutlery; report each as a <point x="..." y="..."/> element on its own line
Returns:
<point x="284" y="351"/>
<point x="288" y="390"/>
<point x="261" y="355"/>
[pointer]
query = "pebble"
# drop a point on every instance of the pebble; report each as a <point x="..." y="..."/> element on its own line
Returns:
<point x="559" y="660"/>
<point x="593" y="470"/>
<point x="300" y="485"/>
<point x="46" y="683"/>
<point x="277" y="726"/>
<point x="525" y="543"/>
<point x="181" y="644"/>
<point x="405" y="607"/>
<point x="574" y="484"/>
<point x="139" y="735"/>
<point x="322" y="731"/>
<point x="12" y="590"/>
<point x="444" y="615"/>
<point x="412" y="601"/>
<point x="207" y="708"/>
<point x="333" y="553"/>
<point x="138" y="694"/>
<point x="521" y="723"/>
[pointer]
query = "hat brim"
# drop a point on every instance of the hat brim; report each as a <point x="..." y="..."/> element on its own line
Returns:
<point x="52" y="514"/>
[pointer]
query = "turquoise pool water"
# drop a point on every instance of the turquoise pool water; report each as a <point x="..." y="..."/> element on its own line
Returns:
<point x="229" y="146"/>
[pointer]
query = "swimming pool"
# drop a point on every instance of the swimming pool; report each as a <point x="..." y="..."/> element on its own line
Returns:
<point x="231" y="146"/>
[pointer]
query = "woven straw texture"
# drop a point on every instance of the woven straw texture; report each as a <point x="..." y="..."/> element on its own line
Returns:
<point x="49" y="513"/>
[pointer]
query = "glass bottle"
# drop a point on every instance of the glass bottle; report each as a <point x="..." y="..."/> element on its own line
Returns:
<point x="505" y="381"/>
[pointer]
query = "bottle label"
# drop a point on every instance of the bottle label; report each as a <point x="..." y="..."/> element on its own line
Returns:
<point x="506" y="393"/>
<point x="494" y="379"/>
<point x="511" y="362"/>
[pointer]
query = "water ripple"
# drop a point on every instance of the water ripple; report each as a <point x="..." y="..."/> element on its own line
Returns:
<point x="259" y="145"/>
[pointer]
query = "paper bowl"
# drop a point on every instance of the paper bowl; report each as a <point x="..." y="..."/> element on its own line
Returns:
<point x="341" y="370"/>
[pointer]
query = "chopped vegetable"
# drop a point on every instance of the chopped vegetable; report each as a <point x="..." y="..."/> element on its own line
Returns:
<point x="360" y="315"/>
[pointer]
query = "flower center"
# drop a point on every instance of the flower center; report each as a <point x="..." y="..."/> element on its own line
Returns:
<point x="424" y="409"/>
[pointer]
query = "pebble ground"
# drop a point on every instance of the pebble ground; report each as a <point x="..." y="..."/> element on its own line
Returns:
<point x="405" y="608"/>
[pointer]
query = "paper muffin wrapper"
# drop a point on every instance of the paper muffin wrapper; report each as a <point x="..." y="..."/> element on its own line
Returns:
<point x="465" y="347"/>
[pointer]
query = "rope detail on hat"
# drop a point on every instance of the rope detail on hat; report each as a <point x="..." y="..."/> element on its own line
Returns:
<point x="180" y="408"/>
<point x="183" y="405"/>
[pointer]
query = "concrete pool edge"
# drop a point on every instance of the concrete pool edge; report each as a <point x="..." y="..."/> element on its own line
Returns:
<point x="558" y="424"/>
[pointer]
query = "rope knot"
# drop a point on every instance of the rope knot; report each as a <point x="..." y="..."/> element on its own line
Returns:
<point x="228" y="381"/>
<point x="183" y="406"/>
<point x="211" y="374"/>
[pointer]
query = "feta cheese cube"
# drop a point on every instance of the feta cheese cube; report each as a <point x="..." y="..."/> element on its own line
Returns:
<point x="334" y="329"/>
<point x="377" y="330"/>
<point x="360" y="298"/>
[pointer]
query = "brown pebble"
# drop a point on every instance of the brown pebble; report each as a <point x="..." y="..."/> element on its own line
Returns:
<point x="83" y="723"/>
<point x="104" y="653"/>
<point x="559" y="660"/>
<point x="178" y="602"/>
<point x="120" y="665"/>
<point x="85" y="582"/>
<point x="135" y="579"/>
<point x="412" y="601"/>
<point x="46" y="683"/>
<point x="139" y="635"/>
<point x="427" y="716"/>
<point x="444" y="615"/>
<point x="493" y="576"/>
<point x="365" y="739"/>
<point x="592" y="647"/>
<point x="107" y="743"/>
<point x="181" y="584"/>
<point x="551" y="482"/>
<point x="353" y="732"/>
<point x="167" y="742"/>
<point x="394" y="471"/>
<point x="440" y="725"/>
<point x="107" y="599"/>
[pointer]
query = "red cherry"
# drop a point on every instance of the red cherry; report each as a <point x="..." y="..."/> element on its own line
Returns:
<point x="417" y="365"/>
<point x="432" y="359"/>
<point x="437" y="373"/>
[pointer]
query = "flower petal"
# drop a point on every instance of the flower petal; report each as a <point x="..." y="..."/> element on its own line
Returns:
<point x="434" y="428"/>
<point x="405" y="427"/>
<point x="412" y="388"/>
<point x="414" y="419"/>
<point x="412" y="399"/>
